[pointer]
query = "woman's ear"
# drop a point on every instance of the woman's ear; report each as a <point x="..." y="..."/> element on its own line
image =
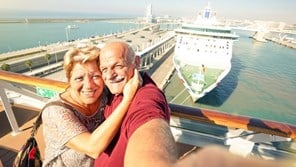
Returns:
<point x="137" y="61"/>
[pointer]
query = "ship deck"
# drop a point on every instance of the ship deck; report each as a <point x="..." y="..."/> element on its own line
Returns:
<point x="210" y="74"/>
<point x="11" y="143"/>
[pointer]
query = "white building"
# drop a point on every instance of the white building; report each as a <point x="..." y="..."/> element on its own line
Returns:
<point x="149" y="16"/>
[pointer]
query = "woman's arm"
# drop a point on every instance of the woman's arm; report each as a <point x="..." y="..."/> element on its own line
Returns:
<point x="93" y="144"/>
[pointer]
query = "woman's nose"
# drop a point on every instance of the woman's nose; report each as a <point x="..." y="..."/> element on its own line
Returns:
<point x="88" y="82"/>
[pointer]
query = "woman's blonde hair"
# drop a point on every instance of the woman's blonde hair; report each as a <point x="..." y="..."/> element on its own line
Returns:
<point x="79" y="55"/>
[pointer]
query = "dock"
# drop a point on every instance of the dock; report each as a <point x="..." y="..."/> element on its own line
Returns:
<point x="285" y="42"/>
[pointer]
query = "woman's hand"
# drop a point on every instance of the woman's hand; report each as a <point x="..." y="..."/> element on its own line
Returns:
<point x="132" y="86"/>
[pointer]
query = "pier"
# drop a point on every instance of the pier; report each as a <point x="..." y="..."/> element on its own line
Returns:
<point x="287" y="43"/>
<point x="285" y="40"/>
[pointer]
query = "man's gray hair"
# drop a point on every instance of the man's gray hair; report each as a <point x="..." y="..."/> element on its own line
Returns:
<point x="130" y="54"/>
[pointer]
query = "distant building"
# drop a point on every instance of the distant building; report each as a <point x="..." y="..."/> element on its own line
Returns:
<point x="149" y="15"/>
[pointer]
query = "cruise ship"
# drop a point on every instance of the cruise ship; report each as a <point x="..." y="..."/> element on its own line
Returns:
<point x="203" y="53"/>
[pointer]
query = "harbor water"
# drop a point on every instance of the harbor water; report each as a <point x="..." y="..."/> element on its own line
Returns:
<point x="261" y="83"/>
<point x="17" y="36"/>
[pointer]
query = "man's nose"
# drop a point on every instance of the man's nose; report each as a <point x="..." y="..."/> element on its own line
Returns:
<point x="110" y="74"/>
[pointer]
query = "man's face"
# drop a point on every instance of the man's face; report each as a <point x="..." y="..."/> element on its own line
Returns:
<point x="116" y="70"/>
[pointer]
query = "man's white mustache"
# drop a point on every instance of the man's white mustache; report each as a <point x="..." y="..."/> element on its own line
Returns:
<point x="117" y="79"/>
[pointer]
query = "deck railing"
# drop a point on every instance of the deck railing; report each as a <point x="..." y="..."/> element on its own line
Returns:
<point x="9" y="79"/>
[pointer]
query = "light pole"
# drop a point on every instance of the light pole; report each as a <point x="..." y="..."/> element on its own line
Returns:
<point x="68" y="30"/>
<point x="55" y="52"/>
<point x="56" y="56"/>
<point x="67" y="33"/>
<point x="40" y="47"/>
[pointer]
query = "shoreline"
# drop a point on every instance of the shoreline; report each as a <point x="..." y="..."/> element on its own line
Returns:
<point x="60" y="20"/>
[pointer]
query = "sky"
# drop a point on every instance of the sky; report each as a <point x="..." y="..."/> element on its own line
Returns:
<point x="267" y="10"/>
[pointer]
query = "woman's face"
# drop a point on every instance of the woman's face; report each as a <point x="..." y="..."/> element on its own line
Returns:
<point x="86" y="83"/>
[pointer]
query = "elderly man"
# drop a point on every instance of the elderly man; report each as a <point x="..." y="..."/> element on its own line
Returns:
<point x="144" y="137"/>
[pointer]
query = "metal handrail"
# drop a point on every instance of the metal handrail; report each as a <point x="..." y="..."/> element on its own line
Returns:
<point x="195" y="114"/>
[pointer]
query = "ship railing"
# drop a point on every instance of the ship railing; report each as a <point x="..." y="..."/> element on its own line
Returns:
<point x="20" y="90"/>
<point x="192" y="126"/>
<point x="27" y="86"/>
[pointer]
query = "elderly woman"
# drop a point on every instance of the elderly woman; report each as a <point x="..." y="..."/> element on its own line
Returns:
<point x="74" y="127"/>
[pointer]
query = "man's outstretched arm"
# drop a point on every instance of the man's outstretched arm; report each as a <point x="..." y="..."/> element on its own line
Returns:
<point x="152" y="144"/>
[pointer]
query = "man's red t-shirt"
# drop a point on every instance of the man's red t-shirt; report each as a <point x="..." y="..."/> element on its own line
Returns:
<point x="149" y="103"/>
